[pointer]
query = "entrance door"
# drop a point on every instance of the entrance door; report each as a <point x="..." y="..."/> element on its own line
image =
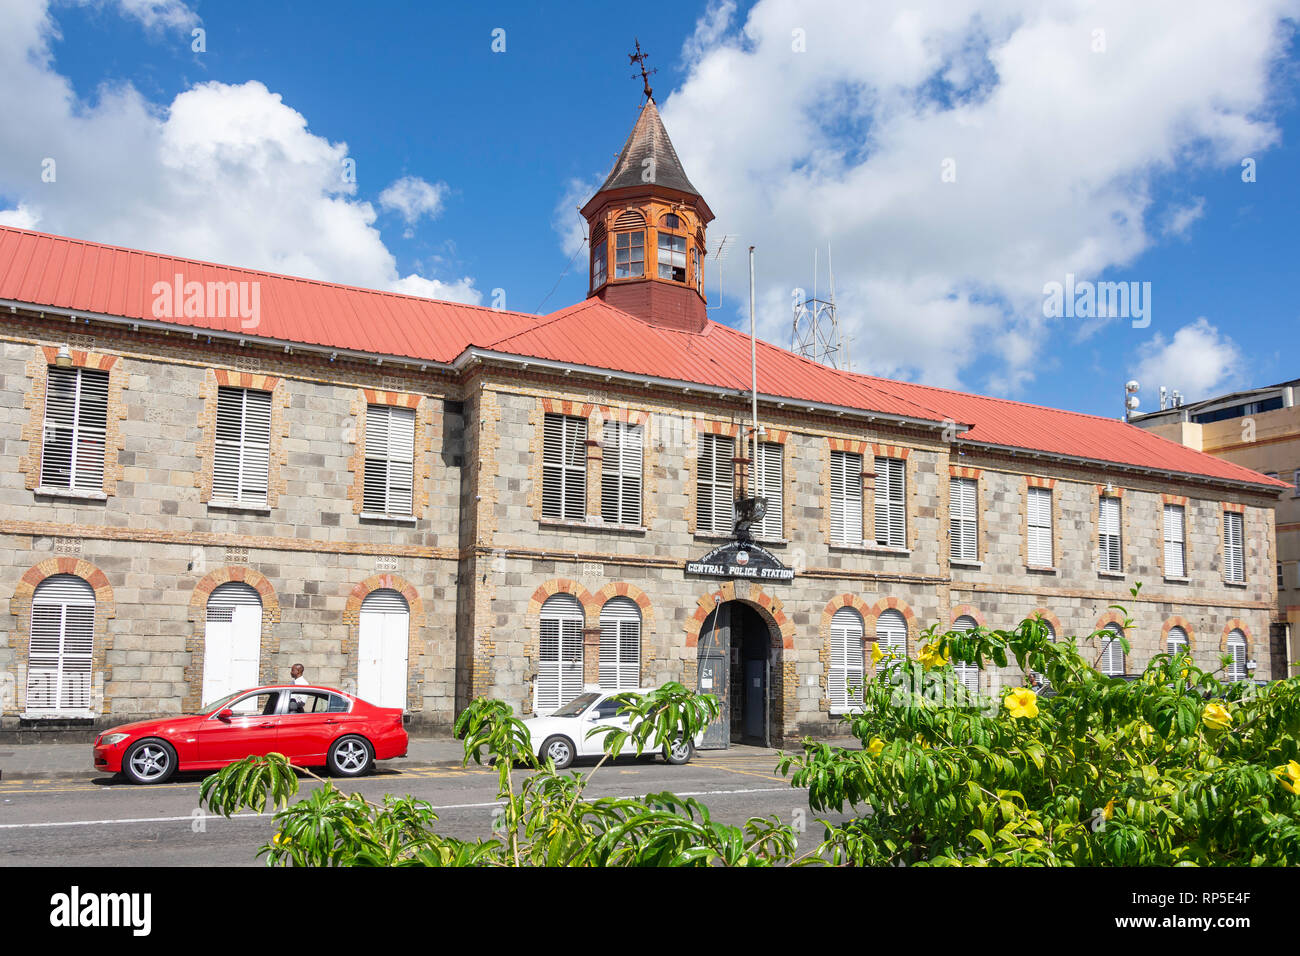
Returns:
<point x="382" y="649"/>
<point x="713" y="675"/>
<point x="232" y="641"/>
<point x="750" y="658"/>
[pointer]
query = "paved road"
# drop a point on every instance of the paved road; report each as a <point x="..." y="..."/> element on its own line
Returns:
<point x="101" y="822"/>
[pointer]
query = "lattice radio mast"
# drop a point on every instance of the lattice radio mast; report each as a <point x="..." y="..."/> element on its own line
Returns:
<point x="816" y="330"/>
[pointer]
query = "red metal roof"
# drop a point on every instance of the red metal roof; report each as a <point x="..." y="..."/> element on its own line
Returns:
<point x="44" y="270"/>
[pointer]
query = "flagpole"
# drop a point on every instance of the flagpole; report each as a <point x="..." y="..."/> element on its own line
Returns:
<point x="753" y="369"/>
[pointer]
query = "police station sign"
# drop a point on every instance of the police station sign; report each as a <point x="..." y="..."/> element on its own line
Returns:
<point x="739" y="559"/>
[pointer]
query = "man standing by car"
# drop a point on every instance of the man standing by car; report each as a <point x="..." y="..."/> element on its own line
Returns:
<point x="297" y="703"/>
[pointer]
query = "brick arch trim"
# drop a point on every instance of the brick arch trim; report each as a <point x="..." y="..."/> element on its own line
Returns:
<point x="1050" y="618"/>
<point x="893" y="604"/>
<point x="780" y="626"/>
<point x="214" y="579"/>
<point x="380" y="582"/>
<point x="195" y="643"/>
<point x="841" y="601"/>
<point x="1236" y="624"/>
<point x="77" y="567"/>
<point x="967" y="610"/>
<point x="590" y="609"/>
<point x="1178" y="620"/>
<point x="624" y="589"/>
<point x="1110" y="617"/>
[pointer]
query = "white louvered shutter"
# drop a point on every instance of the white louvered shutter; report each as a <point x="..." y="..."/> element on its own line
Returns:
<point x="1108" y="536"/>
<point x="76" y="419"/>
<point x="559" y="665"/>
<point x="1176" y="641"/>
<point x="846" y="497"/>
<point x="715" y="498"/>
<point x="232" y="641"/>
<point x="1175" y="552"/>
<point x="962" y="535"/>
<point x="769" y="484"/>
<point x="620" y="644"/>
<point x="1237" y="650"/>
<point x="1040" y="527"/>
<point x="620" y="473"/>
<point x="891" y="632"/>
<point x="390" y="460"/>
<point x="383" y="648"/>
<point x="1112" y="655"/>
<point x="564" y="468"/>
<point x="847" y="668"/>
<point x="61" y="650"/>
<point x="967" y="673"/>
<point x="1234" y="564"/>
<point x="891" y="507"/>
<point x="242" y="454"/>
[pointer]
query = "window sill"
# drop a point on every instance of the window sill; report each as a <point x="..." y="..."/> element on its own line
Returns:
<point x="1041" y="569"/>
<point x="974" y="565"/>
<point x="1117" y="575"/>
<point x="591" y="525"/>
<point x="74" y="494"/>
<point x="872" y="548"/>
<point x="1177" y="579"/>
<point x="1235" y="584"/>
<point x="378" y="516"/>
<point x="239" y="506"/>
<point x="57" y="715"/>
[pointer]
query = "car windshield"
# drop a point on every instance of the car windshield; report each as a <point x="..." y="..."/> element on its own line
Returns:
<point x="576" y="706"/>
<point x="220" y="702"/>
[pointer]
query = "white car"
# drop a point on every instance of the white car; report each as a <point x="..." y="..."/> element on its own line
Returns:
<point x="563" y="735"/>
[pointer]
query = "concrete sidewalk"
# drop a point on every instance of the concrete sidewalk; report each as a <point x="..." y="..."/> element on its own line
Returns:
<point x="73" y="761"/>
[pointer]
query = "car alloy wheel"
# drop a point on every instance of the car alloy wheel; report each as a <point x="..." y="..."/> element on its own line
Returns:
<point x="680" y="752"/>
<point x="150" y="761"/>
<point x="350" y="757"/>
<point x="559" y="750"/>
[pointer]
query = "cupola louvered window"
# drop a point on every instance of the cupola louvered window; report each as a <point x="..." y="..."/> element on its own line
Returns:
<point x="620" y="473"/>
<point x="846" y="497"/>
<point x="1237" y="669"/>
<point x="847" y="665"/>
<point x="716" y="497"/>
<point x="242" y="452"/>
<point x="620" y="644"/>
<point x="564" y="468"/>
<point x="76" y="419"/>
<point x="1175" y="544"/>
<point x="891" y="503"/>
<point x="1112" y="653"/>
<point x="967" y="673"/>
<point x="390" y="460"/>
<point x="61" y="650"/>
<point x="891" y="632"/>
<point x="1108" y="535"/>
<point x="1176" y="641"/>
<point x="1040" y="527"/>
<point x="770" y="484"/>
<point x="559" y="664"/>
<point x="963" y="529"/>
<point x="1234" y="554"/>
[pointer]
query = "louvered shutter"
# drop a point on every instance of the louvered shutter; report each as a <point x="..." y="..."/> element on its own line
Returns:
<point x="1040" y="527"/>
<point x="390" y="460"/>
<point x="846" y="497"/>
<point x="1233" y="552"/>
<point x="1175" y="564"/>
<point x="891" y="632"/>
<point x="891" y="509"/>
<point x="620" y="644"/>
<point x="967" y="673"/>
<point x="1237" y="650"/>
<point x="1108" y="536"/>
<point x="559" y="665"/>
<point x="961" y="507"/>
<point x="769" y="484"/>
<point x="1112" y="654"/>
<point x="76" y="419"/>
<point x="1176" y="640"/>
<point x="715" y="498"/>
<point x="847" y="670"/>
<point x="242" y="453"/>
<point x="564" y="468"/>
<point x="620" y="479"/>
<point x="61" y="649"/>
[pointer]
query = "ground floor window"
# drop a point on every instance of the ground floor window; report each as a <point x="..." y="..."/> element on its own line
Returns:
<point x="967" y="673"/>
<point x="847" y="670"/>
<point x="559" y="665"/>
<point x="61" y="649"/>
<point x="232" y="641"/>
<point x="620" y="644"/>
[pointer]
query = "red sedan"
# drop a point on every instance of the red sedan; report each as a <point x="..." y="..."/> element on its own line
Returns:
<point x="312" y="726"/>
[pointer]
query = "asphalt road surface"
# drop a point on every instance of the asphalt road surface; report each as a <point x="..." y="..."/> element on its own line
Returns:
<point x="105" y="822"/>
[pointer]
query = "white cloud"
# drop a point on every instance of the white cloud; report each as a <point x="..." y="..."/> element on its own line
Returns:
<point x="571" y="227"/>
<point x="1180" y="218"/>
<point x="462" y="290"/>
<point x="228" y="173"/>
<point x="1057" y="151"/>
<point x="414" y="198"/>
<point x="21" y="218"/>
<point x="160" y="14"/>
<point x="1198" y="361"/>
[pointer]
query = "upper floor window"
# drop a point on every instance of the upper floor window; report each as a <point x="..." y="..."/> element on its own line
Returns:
<point x="962" y="518"/>
<point x="242" y="451"/>
<point x="1234" y="554"/>
<point x="564" y="468"/>
<point x="629" y="255"/>
<point x="1175" y="542"/>
<point x="76" y="421"/>
<point x="716" y="499"/>
<point x="1040" y="527"/>
<point x="390" y="460"/>
<point x="620" y="474"/>
<point x="846" y="497"/>
<point x="891" y="509"/>
<point x="770" y="485"/>
<point x="1108" y="534"/>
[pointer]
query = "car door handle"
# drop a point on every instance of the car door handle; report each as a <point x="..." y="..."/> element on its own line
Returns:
<point x="269" y="723"/>
<point x="330" y="721"/>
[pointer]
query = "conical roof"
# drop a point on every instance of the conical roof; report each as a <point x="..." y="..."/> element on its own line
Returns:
<point x="649" y="140"/>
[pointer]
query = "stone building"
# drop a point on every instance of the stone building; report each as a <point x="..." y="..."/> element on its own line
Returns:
<point x="209" y="473"/>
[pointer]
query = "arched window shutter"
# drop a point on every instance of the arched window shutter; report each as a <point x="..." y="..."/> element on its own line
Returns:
<point x="61" y="649"/>
<point x="620" y="644"/>
<point x="847" y="670"/>
<point x="559" y="664"/>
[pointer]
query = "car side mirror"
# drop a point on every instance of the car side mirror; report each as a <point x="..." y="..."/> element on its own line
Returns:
<point x="225" y="714"/>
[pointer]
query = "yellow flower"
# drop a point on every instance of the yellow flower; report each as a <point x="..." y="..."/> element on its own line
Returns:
<point x="1216" y="717"/>
<point x="875" y="746"/>
<point x="876" y="655"/>
<point x="1022" y="702"/>
<point x="280" y="839"/>
<point x="930" y="656"/>
<point x="1110" y="809"/>
<point x="1289" y="776"/>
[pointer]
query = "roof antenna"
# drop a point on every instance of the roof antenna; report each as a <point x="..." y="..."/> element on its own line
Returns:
<point x="640" y="57"/>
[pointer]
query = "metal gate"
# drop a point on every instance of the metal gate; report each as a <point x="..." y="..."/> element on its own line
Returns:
<point x="713" y="675"/>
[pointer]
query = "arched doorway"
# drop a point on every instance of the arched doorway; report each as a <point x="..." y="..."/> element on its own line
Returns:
<point x="738" y="665"/>
<point x="232" y="645"/>
<point x="383" y="643"/>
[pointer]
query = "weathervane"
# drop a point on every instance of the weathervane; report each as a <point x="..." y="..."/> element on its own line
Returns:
<point x="639" y="57"/>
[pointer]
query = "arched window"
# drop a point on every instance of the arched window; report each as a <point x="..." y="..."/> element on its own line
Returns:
<point x="620" y="644"/>
<point x="967" y="672"/>
<point x="1237" y="648"/>
<point x="232" y="641"/>
<point x="1176" y="641"/>
<point x="672" y="249"/>
<point x="629" y="246"/>
<point x="891" y="632"/>
<point x="1112" y="653"/>
<point x="847" y="670"/>
<point x="383" y="648"/>
<point x="62" y="645"/>
<point x="559" y="664"/>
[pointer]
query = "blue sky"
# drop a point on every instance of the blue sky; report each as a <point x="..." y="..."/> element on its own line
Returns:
<point x="1121" y="163"/>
